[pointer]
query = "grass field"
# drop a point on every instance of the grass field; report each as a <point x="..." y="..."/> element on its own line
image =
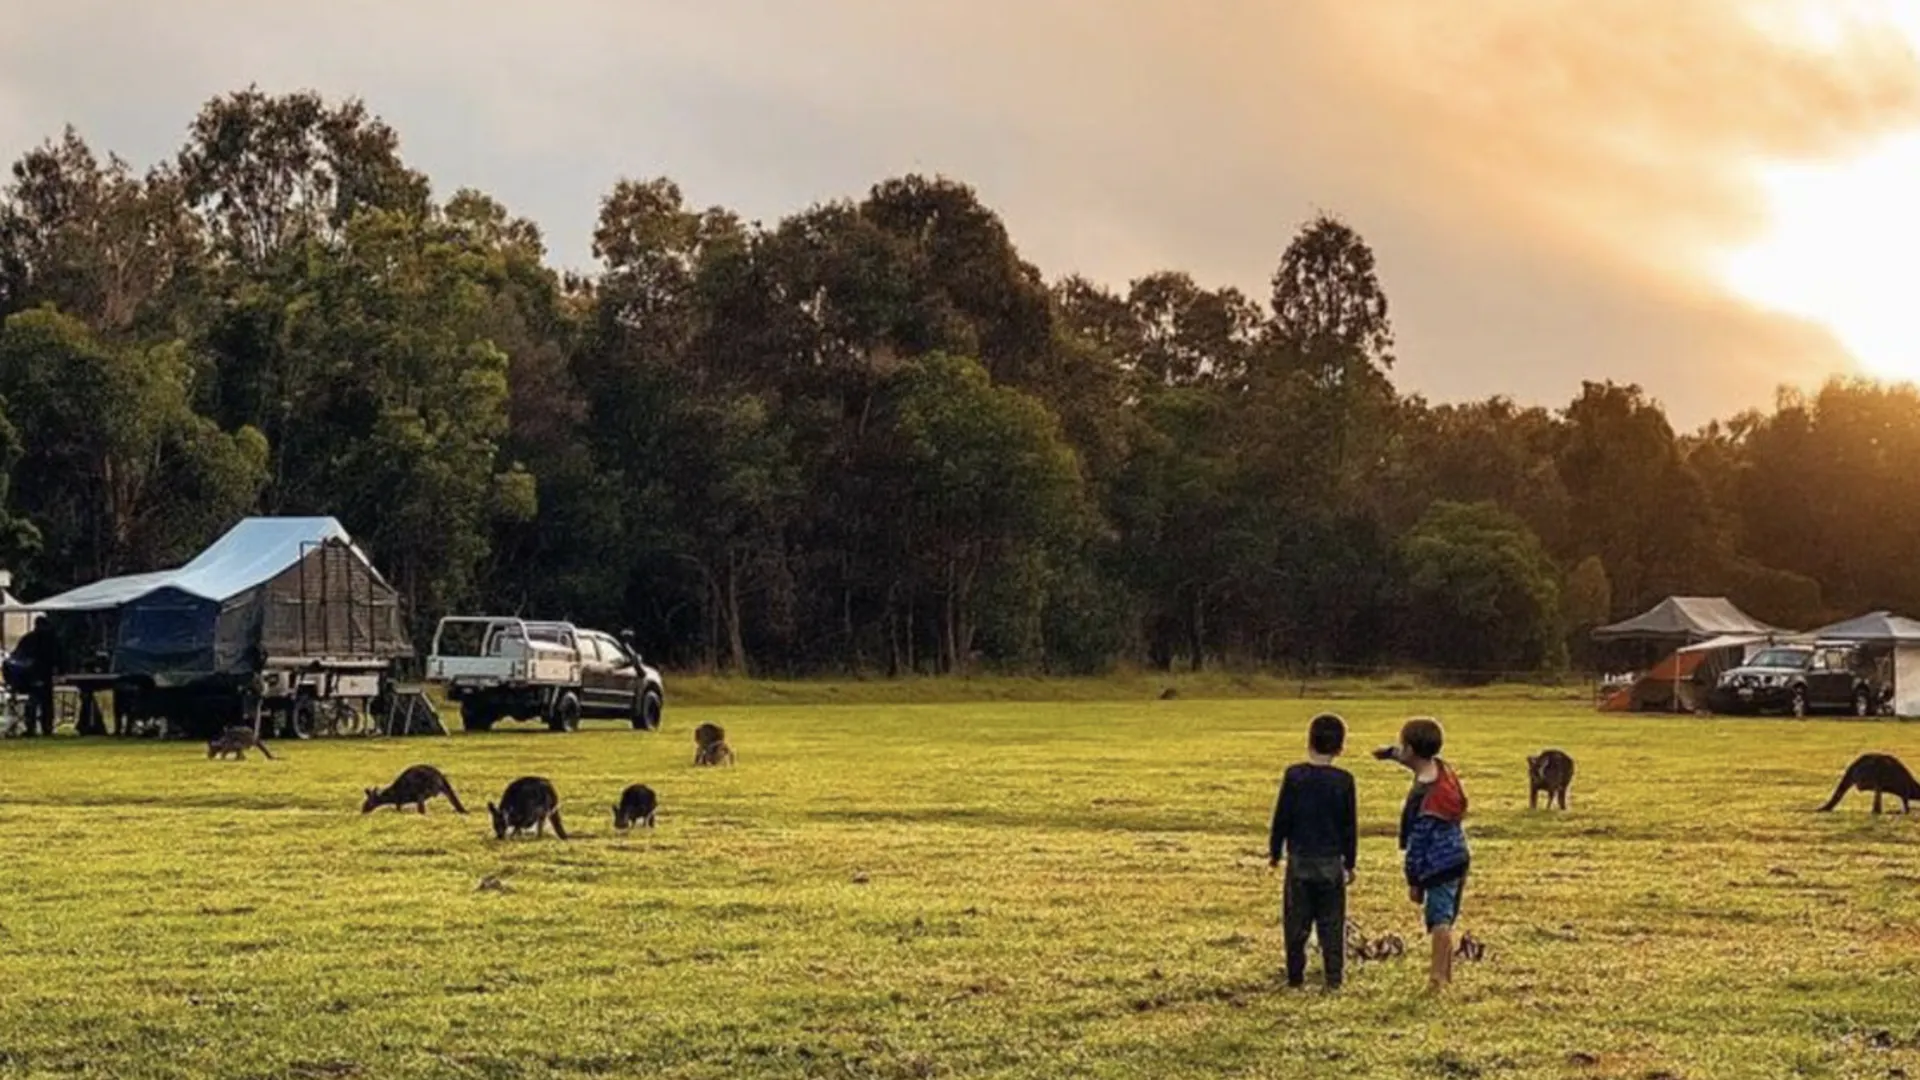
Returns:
<point x="987" y="889"/>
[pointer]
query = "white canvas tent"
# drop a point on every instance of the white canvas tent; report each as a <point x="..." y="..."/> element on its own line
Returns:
<point x="1901" y="636"/>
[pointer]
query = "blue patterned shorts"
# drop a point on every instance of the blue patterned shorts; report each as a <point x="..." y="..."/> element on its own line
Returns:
<point x="1443" y="903"/>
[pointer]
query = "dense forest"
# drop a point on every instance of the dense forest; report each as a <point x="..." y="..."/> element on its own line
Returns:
<point x="868" y="437"/>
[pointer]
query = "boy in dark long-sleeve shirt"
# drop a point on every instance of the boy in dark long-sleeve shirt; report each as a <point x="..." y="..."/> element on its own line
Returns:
<point x="1315" y="826"/>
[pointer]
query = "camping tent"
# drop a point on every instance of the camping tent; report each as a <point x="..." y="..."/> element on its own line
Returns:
<point x="1900" y="636"/>
<point x="271" y="588"/>
<point x="1697" y="637"/>
<point x="1685" y="620"/>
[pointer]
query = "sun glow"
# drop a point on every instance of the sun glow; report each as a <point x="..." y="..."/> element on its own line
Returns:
<point x="1843" y="245"/>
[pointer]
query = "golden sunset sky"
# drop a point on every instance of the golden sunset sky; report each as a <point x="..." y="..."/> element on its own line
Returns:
<point x="1707" y="197"/>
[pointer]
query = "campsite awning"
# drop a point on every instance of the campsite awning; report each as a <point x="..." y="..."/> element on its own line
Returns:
<point x="1741" y="641"/>
<point x="1874" y="628"/>
<point x="250" y="553"/>
<point x="1686" y="619"/>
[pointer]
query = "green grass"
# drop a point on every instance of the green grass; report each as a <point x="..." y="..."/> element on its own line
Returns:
<point x="705" y="690"/>
<point x="995" y="889"/>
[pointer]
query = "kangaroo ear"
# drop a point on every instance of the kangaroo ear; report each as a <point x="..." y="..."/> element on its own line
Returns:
<point x="372" y="792"/>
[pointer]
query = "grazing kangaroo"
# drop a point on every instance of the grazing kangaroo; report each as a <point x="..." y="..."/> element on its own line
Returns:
<point x="636" y="807"/>
<point x="236" y="741"/>
<point x="1881" y="774"/>
<point x="414" y="786"/>
<point x="529" y="803"/>
<point x="1551" y="772"/>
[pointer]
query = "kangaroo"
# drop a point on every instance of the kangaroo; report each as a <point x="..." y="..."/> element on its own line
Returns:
<point x="1881" y="774"/>
<point x="636" y="807"/>
<point x="529" y="803"/>
<point x="1551" y="772"/>
<point x="235" y="741"/>
<point x="710" y="745"/>
<point x="415" y="785"/>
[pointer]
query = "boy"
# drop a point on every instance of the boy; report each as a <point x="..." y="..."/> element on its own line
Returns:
<point x="1430" y="833"/>
<point x="1316" y="827"/>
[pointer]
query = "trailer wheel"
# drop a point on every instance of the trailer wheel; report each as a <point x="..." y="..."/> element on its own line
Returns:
<point x="646" y="713"/>
<point x="476" y="717"/>
<point x="303" y="719"/>
<point x="566" y="713"/>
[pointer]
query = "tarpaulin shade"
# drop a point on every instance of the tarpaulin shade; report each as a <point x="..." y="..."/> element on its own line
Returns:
<point x="1685" y="618"/>
<point x="1875" y="628"/>
<point x="249" y="554"/>
<point x="270" y="589"/>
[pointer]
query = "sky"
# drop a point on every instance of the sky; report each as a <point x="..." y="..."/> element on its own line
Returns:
<point x="1709" y="198"/>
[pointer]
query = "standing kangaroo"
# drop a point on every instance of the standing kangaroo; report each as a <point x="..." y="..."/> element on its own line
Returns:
<point x="414" y="786"/>
<point x="1551" y="772"/>
<point x="636" y="807"/>
<point x="529" y="803"/>
<point x="235" y="742"/>
<point x="1881" y="774"/>
<point x="710" y="745"/>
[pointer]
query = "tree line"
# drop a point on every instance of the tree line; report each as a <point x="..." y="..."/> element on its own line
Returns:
<point x="867" y="437"/>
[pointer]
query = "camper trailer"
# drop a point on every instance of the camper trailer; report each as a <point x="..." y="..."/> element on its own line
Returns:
<point x="282" y="623"/>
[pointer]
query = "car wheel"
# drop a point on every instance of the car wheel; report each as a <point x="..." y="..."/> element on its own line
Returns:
<point x="1799" y="701"/>
<point x="566" y="713"/>
<point x="303" y="719"/>
<point x="646" y="711"/>
<point x="476" y="717"/>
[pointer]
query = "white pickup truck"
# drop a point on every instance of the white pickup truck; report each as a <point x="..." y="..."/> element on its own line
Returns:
<point x="499" y="667"/>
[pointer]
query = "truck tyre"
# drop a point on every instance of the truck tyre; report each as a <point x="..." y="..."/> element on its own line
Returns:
<point x="302" y="718"/>
<point x="566" y="713"/>
<point x="646" y="711"/>
<point x="476" y="717"/>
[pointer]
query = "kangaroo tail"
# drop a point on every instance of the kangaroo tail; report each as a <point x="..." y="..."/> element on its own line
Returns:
<point x="264" y="752"/>
<point x="559" y="830"/>
<point x="455" y="800"/>
<point x="1846" y="784"/>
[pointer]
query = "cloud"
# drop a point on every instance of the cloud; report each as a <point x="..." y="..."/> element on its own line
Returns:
<point x="1543" y="180"/>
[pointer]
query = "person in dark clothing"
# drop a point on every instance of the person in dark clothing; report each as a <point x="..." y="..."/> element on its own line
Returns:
<point x="39" y="660"/>
<point x="1316" y="828"/>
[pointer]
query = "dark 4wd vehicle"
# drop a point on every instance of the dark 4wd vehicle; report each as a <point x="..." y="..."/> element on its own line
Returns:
<point x="1801" y="679"/>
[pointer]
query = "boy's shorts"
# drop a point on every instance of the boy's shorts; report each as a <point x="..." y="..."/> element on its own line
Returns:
<point x="1443" y="903"/>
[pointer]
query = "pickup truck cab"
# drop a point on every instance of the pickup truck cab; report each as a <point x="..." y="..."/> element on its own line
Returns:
<point x="502" y="667"/>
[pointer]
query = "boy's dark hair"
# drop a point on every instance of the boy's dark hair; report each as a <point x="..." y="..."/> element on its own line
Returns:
<point x="1326" y="734"/>
<point x="1423" y="736"/>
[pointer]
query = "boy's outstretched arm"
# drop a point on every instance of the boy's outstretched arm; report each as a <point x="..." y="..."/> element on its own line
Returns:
<point x="1392" y="753"/>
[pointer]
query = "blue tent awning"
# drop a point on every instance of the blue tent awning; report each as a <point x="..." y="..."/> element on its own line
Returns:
<point x="250" y="554"/>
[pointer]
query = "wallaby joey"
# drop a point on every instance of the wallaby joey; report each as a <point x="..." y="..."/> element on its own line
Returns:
<point x="412" y="787"/>
<point x="528" y="804"/>
<point x="235" y="742"/>
<point x="636" y="807"/>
